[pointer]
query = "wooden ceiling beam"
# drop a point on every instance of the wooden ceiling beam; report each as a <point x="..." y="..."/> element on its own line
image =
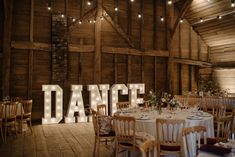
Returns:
<point x="181" y="14"/>
<point x="135" y="52"/>
<point x="88" y="48"/>
<point x="117" y="27"/>
<point x="192" y="62"/>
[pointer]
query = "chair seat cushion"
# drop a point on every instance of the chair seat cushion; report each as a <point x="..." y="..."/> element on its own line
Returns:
<point x="105" y="124"/>
<point x="110" y="134"/>
<point x="10" y="119"/>
<point x="215" y="150"/>
<point x="169" y="148"/>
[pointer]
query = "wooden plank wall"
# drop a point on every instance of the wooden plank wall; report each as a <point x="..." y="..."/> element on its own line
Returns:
<point x="1" y="39"/>
<point x="223" y="58"/>
<point x="115" y="68"/>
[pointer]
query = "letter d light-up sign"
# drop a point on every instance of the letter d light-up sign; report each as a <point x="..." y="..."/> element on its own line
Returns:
<point x="47" y="104"/>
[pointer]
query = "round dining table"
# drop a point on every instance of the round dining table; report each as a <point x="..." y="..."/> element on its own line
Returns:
<point x="146" y="120"/>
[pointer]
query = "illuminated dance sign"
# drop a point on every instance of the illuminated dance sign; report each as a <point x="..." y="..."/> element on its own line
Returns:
<point x="98" y="94"/>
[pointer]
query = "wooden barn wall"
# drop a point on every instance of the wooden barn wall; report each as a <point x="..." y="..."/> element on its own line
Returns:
<point x="223" y="59"/>
<point x="223" y="53"/>
<point x="115" y="68"/>
<point x="187" y="44"/>
<point x="1" y="39"/>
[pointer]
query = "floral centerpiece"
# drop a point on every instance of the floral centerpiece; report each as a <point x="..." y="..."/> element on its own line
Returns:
<point x="161" y="99"/>
<point x="173" y="103"/>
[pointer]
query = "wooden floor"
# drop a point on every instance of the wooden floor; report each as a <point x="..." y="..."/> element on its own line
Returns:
<point x="59" y="140"/>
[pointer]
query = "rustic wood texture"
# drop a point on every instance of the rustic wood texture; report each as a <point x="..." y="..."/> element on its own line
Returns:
<point x="118" y="61"/>
<point x="30" y="73"/>
<point x="59" y="140"/>
<point x="7" y="25"/>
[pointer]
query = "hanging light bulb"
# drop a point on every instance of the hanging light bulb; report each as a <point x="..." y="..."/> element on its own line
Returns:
<point x="116" y="9"/>
<point x="139" y="15"/>
<point x="80" y="22"/>
<point x="105" y="14"/>
<point x="94" y="21"/>
<point x="132" y="0"/>
<point x="201" y="20"/>
<point x="169" y="2"/>
<point x="232" y="3"/>
<point x="49" y="8"/>
<point x="101" y="18"/>
<point x="162" y="18"/>
<point x="181" y="20"/>
<point x="62" y="15"/>
<point x="219" y="17"/>
<point x="73" y="19"/>
<point x="88" y="2"/>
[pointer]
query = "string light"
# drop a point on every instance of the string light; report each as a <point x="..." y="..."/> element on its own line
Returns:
<point x="80" y="22"/>
<point x="94" y="21"/>
<point x="169" y="2"/>
<point x="181" y="20"/>
<point x="73" y="19"/>
<point x="49" y="8"/>
<point x="105" y="14"/>
<point x="62" y="15"/>
<point x="101" y="18"/>
<point x="88" y="2"/>
<point x="132" y="0"/>
<point x="232" y="3"/>
<point x="219" y="17"/>
<point x="116" y="9"/>
<point x="139" y="15"/>
<point x="201" y="20"/>
<point x="162" y="18"/>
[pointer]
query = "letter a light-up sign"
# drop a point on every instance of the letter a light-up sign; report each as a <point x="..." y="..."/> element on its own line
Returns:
<point x="114" y="95"/>
<point x="134" y="90"/>
<point x="47" y="104"/>
<point x="76" y="105"/>
<point x="95" y="97"/>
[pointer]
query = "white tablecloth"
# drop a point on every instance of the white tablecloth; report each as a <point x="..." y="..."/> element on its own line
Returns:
<point x="149" y="124"/>
<point x="148" y="121"/>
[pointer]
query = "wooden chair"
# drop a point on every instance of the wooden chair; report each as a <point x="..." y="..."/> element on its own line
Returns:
<point x="100" y="134"/>
<point x="128" y="139"/>
<point x="224" y="127"/>
<point x="123" y="105"/>
<point x="192" y="140"/>
<point x="25" y="116"/>
<point x="125" y="138"/>
<point x="16" y="99"/>
<point x="146" y="148"/>
<point x="101" y="109"/>
<point x="10" y="116"/>
<point x="169" y="136"/>
<point x="1" y="119"/>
